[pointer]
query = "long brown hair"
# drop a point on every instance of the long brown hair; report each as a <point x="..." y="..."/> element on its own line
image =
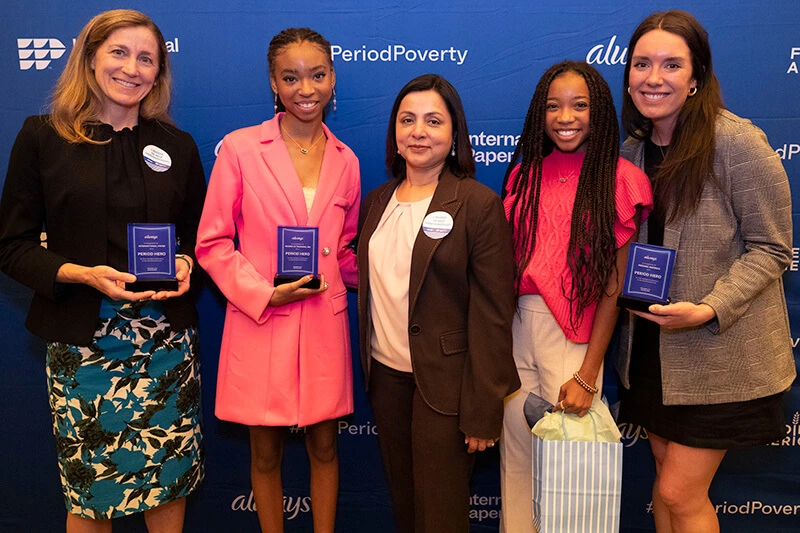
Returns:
<point x="591" y="255"/>
<point x="77" y="99"/>
<point x="689" y="161"/>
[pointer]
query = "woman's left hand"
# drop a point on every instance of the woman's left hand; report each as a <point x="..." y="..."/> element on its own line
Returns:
<point x="573" y="399"/>
<point x="184" y="278"/>
<point x="678" y="314"/>
<point x="475" y="444"/>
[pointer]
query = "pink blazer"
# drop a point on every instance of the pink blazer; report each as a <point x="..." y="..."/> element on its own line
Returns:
<point x="279" y="366"/>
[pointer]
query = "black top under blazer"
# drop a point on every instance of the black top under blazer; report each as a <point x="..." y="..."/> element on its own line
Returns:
<point x="61" y="187"/>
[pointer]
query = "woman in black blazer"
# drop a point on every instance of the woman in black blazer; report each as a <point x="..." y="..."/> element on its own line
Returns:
<point x="122" y="362"/>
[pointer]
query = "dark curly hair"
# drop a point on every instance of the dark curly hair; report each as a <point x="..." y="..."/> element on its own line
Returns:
<point x="591" y="255"/>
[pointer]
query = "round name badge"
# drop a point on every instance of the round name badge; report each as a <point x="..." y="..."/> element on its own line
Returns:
<point x="437" y="225"/>
<point x="157" y="159"/>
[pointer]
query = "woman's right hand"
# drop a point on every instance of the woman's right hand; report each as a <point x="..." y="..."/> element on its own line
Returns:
<point x="105" y="279"/>
<point x="294" y="291"/>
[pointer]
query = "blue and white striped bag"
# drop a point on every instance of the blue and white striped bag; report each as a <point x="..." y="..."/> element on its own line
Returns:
<point x="576" y="486"/>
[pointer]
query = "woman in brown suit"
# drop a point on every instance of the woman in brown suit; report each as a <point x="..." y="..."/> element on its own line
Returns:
<point x="436" y="299"/>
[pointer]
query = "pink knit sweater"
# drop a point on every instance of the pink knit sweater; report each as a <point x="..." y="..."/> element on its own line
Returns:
<point x="548" y="269"/>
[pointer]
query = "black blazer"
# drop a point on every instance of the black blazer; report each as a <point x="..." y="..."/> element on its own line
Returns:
<point x="461" y="304"/>
<point x="61" y="187"/>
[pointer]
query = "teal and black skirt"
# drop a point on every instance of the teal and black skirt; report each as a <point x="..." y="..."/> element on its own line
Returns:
<point x="126" y="411"/>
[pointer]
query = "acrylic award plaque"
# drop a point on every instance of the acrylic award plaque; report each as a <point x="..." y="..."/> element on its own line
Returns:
<point x="298" y="255"/>
<point x="151" y="256"/>
<point x="647" y="276"/>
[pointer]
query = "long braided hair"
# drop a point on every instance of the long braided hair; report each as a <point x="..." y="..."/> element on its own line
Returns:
<point x="592" y="250"/>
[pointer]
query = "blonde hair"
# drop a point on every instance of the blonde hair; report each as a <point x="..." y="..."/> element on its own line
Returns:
<point x="77" y="98"/>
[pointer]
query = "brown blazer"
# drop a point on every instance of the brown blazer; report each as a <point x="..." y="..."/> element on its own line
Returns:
<point x="461" y="304"/>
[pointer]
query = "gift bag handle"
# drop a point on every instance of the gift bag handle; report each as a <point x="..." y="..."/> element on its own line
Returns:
<point x="564" y="427"/>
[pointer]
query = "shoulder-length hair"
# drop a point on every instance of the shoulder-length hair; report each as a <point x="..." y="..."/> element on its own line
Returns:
<point x="591" y="254"/>
<point x="462" y="164"/>
<point x="77" y="98"/>
<point x="689" y="161"/>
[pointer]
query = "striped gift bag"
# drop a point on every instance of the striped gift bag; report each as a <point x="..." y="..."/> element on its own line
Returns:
<point x="576" y="486"/>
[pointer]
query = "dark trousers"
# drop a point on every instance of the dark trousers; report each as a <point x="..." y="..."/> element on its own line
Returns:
<point x="424" y="455"/>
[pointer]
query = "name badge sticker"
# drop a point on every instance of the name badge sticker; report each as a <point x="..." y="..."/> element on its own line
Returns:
<point x="157" y="159"/>
<point x="437" y="225"/>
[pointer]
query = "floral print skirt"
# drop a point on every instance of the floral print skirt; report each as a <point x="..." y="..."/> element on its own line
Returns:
<point x="126" y="411"/>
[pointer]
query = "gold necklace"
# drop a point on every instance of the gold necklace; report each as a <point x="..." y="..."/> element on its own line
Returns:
<point x="303" y="151"/>
<point x="563" y="178"/>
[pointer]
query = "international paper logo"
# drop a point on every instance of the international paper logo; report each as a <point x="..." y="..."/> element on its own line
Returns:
<point x="35" y="52"/>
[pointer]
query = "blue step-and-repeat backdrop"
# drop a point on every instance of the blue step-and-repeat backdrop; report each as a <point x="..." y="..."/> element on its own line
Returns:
<point x="493" y="52"/>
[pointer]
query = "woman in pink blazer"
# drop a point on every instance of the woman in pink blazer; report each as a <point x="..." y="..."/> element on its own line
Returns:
<point x="285" y="357"/>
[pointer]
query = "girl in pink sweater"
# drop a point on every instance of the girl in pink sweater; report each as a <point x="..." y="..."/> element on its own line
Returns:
<point x="573" y="205"/>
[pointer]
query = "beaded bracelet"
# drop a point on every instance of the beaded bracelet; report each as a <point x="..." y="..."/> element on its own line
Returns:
<point x="582" y="383"/>
<point x="185" y="259"/>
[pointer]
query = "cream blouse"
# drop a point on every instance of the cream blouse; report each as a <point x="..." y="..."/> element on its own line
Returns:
<point x="390" y="250"/>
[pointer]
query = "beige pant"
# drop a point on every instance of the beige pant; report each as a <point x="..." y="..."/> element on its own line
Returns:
<point x="545" y="360"/>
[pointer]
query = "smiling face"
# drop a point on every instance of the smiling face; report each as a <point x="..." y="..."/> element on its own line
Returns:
<point x="424" y="131"/>
<point x="303" y="78"/>
<point x="660" y="79"/>
<point x="567" y="112"/>
<point x="125" y="67"/>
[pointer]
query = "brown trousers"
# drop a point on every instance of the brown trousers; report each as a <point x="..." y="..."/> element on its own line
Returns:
<point x="426" y="461"/>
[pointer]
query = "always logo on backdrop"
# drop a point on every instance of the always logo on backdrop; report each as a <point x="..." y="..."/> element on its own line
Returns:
<point x="37" y="52"/>
<point x="292" y="505"/>
<point x="608" y="53"/>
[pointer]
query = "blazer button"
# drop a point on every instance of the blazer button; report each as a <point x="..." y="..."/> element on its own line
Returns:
<point x="415" y="329"/>
<point x="326" y="251"/>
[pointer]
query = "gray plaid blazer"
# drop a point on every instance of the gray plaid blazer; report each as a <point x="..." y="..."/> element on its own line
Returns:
<point x="731" y="254"/>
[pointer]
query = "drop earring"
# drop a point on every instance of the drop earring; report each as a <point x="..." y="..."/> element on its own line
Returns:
<point x="334" y="99"/>
<point x="453" y="150"/>
<point x="275" y="105"/>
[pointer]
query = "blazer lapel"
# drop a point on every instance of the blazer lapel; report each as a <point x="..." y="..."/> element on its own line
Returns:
<point x="445" y="198"/>
<point x="333" y="167"/>
<point x="373" y="216"/>
<point x="276" y="157"/>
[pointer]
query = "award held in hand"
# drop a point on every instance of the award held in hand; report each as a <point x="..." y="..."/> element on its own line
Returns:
<point x="298" y="253"/>
<point x="151" y="257"/>
<point x="647" y="276"/>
